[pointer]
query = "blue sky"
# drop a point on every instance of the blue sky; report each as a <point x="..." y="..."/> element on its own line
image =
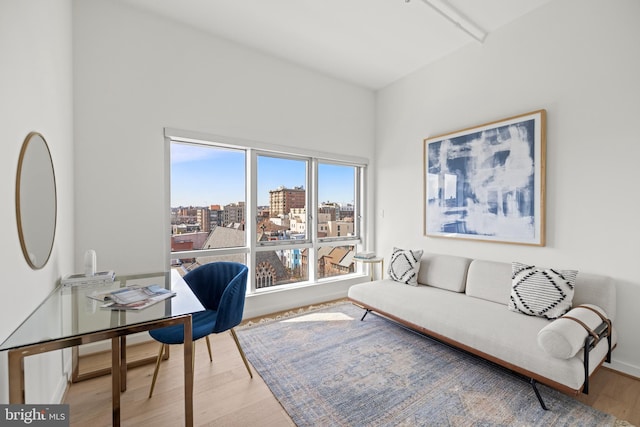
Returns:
<point x="203" y="176"/>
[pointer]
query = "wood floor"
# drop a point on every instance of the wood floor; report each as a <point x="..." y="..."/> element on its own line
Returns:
<point x="224" y="395"/>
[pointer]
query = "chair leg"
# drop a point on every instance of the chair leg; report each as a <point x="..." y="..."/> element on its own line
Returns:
<point x="209" y="348"/>
<point x="155" y="372"/>
<point x="244" y="358"/>
<point x="193" y="356"/>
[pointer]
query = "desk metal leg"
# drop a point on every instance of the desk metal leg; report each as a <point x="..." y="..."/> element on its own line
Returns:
<point x="123" y="363"/>
<point x="115" y="380"/>
<point x="188" y="373"/>
<point x="16" y="377"/>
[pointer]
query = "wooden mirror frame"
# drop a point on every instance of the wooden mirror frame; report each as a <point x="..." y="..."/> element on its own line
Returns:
<point x="36" y="201"/>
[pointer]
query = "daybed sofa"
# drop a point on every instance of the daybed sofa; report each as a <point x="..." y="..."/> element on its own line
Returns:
<point x="468" y="303"/>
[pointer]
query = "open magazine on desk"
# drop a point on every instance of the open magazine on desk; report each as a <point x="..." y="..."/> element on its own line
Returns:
<point x="133" y="297"/>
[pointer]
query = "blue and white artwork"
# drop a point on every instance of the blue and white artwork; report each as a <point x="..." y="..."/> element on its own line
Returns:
<point x="487" y="183"/>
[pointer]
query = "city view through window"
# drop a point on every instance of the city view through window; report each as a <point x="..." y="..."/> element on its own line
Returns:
<point x="210" y="202"/>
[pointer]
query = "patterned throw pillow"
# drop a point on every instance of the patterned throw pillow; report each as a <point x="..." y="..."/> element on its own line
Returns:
<point x="542" y="292"/>
<point x="404" y="266"/>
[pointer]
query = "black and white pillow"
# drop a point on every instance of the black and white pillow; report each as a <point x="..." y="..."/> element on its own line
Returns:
<point x="543" y="292"/>
<point x="404" y="266"/>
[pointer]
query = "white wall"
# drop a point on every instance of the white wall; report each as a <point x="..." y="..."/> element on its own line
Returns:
<point x="579" y="60"/>
<point x="135" y="74"/>
<point x="35" y="83"/>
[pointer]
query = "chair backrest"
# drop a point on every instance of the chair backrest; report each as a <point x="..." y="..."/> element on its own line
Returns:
<point x="221" y="286"/>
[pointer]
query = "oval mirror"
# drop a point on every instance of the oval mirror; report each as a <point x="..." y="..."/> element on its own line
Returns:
<point x="36" y="206"/>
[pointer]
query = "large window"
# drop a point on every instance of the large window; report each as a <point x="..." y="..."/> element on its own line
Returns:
<point x="301" y="211"/>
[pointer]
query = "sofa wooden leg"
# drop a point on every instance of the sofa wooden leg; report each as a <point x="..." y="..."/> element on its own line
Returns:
<point x="365" y="314"/>
<point x="535" y="389"/>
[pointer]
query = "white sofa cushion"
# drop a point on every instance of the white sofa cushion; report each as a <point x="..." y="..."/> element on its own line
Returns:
<point x="444" y="271"/>
<point x="596" y="289"/>
<point x="489" y="280"/>
<point x="563" y="337"/>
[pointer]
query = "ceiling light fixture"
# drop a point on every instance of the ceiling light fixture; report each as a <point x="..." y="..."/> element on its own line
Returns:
<point x="457" y="18"/>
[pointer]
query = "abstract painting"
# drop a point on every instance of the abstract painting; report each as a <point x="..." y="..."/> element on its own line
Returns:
<point x="488" y="182"/>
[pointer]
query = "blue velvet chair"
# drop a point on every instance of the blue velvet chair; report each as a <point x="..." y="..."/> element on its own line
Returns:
<point x="221" y="288"/>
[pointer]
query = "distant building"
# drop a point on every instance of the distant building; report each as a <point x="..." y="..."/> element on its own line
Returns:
<point x="269" y="230"/>
<point x="270" y="271"/>
<point x="332" y="210"/>
<point x="183" y="215"/>
<point x="263" y="212"/>
<point x="283" y="199"/>
<point x="188" y="242"/>
<point x="204" y="219"/>
<point x="339" y="228"/>
<point x="233" y="213"/>
<point x="281" y="221"/>
<point x="337" y="262"/>
<point x="225" y="237"/>
<point x="346" y="211"/>
<point x="291" y="258"/>
<point x="298" y="220"/>
<point x="185" y="228"/>
<point x="216" y="216"/>
<point x="332" y="261"/>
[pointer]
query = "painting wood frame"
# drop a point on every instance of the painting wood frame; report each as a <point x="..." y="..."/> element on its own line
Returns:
<point x="487" y="182"/>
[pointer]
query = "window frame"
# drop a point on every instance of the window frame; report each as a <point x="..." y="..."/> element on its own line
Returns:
<point x="252" y="150"/>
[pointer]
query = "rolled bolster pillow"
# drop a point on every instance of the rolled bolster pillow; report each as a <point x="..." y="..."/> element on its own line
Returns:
<point x="563" y="338"/>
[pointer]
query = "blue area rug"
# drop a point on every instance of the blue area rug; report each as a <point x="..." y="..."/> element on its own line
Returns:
<point x="327" y="368"/>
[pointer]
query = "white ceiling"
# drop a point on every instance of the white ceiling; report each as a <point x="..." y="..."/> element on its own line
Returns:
<point x="368" y="42"/>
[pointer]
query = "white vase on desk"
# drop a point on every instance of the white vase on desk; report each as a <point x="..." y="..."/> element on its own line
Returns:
<point x="90" y="262"/>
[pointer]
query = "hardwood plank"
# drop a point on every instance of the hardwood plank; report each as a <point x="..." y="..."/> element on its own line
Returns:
<point x="224" y="394"/>
<point x="615" y="393"/>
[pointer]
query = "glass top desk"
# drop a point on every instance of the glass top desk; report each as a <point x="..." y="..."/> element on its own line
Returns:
<point x="68" y="318"/>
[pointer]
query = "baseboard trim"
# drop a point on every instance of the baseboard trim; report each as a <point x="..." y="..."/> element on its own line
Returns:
<point x="267" y="303"/>
<point x="60" y="390"/>
<point x="625" y="368"/>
